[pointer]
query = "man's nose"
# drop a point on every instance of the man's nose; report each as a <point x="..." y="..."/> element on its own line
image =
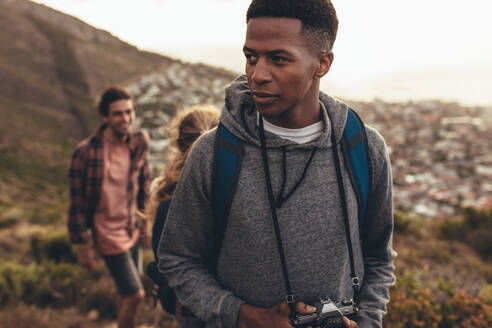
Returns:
<point x="127" y="118"/>
<point x="261" y="73"/>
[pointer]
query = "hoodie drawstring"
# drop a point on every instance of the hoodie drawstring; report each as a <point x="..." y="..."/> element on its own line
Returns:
<point x="281" y="198"/>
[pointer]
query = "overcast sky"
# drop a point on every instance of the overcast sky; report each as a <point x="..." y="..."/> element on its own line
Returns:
<point x="390" y="49"/>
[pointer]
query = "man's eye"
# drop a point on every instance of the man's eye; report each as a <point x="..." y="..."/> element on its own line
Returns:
<point x="250" y="57"/>
<point x="278" y="59"/>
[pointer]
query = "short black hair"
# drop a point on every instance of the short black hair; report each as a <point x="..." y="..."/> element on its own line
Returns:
<point x="109" y="96"/>
<point x="318" y="17"/>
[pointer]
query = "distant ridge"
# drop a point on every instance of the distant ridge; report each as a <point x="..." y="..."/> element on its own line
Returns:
<point x="52" y="67"/>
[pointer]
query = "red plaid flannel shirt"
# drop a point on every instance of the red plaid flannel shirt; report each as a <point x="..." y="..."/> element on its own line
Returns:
<point x="85" y="176"/>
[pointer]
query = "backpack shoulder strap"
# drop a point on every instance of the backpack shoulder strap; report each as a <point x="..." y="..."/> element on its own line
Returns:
<point x="157" y="227"/>
<point x="355" y="152"/>
<point x="228" y="156"/>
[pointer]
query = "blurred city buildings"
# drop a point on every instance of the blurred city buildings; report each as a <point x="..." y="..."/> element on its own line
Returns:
<point x="440" y="151"/>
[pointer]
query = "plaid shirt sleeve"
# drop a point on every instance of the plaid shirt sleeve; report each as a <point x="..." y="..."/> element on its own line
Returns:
<point x="77" y="227"/>
<point x="144" y="174"/>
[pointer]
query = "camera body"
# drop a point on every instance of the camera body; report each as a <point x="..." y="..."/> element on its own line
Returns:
<point x="328" y="314"/>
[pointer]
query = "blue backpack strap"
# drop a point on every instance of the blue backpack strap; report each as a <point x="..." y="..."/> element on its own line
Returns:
<point x="356" y="159"/>
<point x="228" y="156"/>
<point x="165" y="294"/>
<point x="160" y="219"/>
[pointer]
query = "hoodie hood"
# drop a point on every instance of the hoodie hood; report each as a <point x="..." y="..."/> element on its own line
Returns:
<point x="239" y="116"/>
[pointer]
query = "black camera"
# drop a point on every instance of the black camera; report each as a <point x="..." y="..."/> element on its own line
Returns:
<point x="328" y="315"/>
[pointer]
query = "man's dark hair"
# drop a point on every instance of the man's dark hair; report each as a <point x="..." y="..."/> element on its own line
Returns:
<point x="318" y="17"/>
<point x="109" y="96"/>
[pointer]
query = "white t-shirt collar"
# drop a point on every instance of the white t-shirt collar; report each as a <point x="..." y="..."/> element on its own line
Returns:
<point x="299" y="136"/>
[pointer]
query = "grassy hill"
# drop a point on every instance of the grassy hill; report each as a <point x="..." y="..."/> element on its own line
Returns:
<point x="52" y="66"/>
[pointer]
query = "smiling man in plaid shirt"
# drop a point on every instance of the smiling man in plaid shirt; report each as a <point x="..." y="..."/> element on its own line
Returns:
<point x="109" y="178"/>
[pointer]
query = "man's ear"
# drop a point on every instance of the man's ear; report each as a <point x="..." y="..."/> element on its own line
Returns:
<point x="325" y="60"/>
<point x="104" y="119"/>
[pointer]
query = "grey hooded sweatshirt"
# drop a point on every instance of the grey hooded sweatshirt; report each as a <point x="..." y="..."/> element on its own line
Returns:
<point x="311" y="224"/>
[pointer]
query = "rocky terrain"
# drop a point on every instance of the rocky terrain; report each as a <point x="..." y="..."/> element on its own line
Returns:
<point x="160" y="95"/>
<point x="440" y="151"/>
<point x="440" y="154"/>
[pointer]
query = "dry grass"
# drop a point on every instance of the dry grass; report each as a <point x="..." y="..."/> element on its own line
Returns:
<point x="24" y="316"/>
<point x="95" y="308"/>
<point x="433" y="261"/>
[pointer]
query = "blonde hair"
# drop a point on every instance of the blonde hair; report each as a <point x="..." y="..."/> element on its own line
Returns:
<point x="186" y="127"/>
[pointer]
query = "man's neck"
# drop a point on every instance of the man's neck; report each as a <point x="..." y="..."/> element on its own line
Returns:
<point x="304" y="114"/>
<point x="297" y="119"/>
<point x="114" y="138"/>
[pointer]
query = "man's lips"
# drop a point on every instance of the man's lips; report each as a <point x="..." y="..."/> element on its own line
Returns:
<point x="264" y="97"/>
<point x="124" y="126"/>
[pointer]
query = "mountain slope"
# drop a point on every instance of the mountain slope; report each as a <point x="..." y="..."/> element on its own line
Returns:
<point x="52" y="66"/>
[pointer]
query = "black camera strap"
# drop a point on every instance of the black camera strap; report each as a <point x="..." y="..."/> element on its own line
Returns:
<point x="273" y="207"/>
<point x="355" y="280"/>
<point x="336" y="158"/>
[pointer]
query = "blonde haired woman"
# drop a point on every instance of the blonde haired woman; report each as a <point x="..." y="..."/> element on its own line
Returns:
<point x="186" y="127"/>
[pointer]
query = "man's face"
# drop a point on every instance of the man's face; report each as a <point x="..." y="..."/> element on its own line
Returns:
<point x="281" y="70"/>
<point x="120" y="117"/>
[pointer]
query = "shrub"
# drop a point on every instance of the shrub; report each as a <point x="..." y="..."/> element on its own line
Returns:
<point x="476" y="219"/>
<point x="446" y="286"/>
<point x="56" y="285"/>
<point x="53" y="246"/>
<point x="413" y="306"/>
<point x="41" y="216"/>
<point x="407" y="283"/>
<point x="9" y="216"/>
<point x="11" y="283"/>
<point x="486" y="293"/>
<point x="49" y="284"/>
<point x="402" y="222"/>
<point x="474" y="228"/>
<point x="481" y="241"/>
<point x="419" y="310"/>
<point x="102" y="301"/>
<point x="451" y="229"/>
<point x="440" y="255"/>
<point x="7" y="222"/>
<point x="464" y="311"/>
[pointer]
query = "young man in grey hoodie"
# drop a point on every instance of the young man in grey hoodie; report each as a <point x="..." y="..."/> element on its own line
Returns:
<point x="288" y="171"/>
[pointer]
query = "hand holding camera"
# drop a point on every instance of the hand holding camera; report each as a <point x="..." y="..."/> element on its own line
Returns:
<point x="327" y="315"/>
<point x="279" y="316"/>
